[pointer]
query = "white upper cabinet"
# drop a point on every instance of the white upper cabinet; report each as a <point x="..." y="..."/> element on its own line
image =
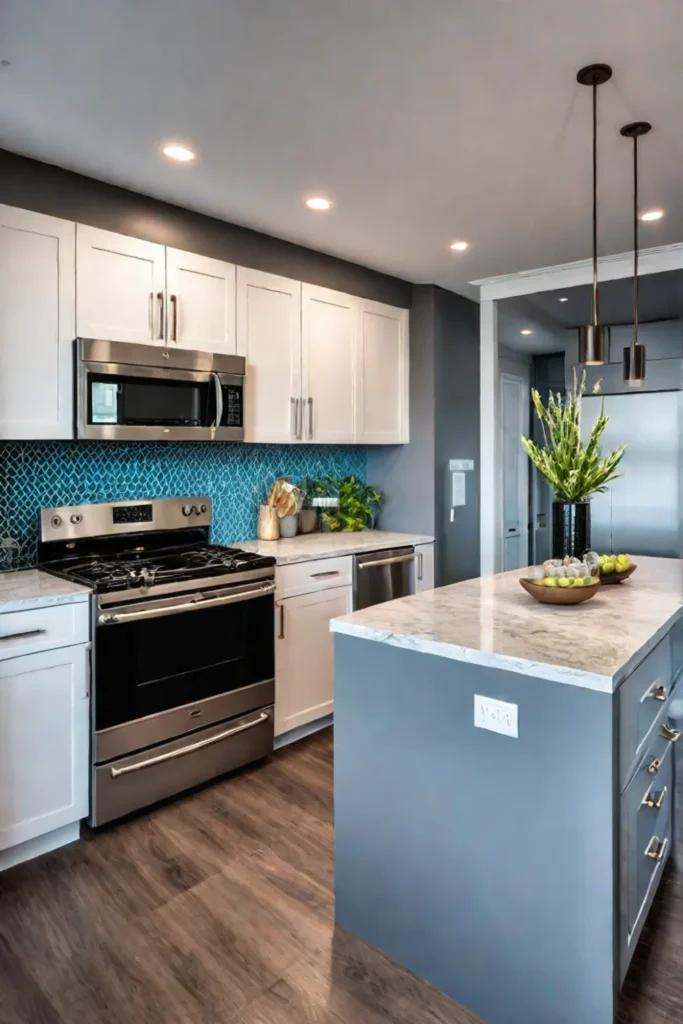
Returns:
<point x="329" y="323"/>
<point x="121" y="287"/>
<point x="269" y="337"/>
<point x="37" y="325"/>
<point x="200" y="302"/>
<point x="382" y="374"/>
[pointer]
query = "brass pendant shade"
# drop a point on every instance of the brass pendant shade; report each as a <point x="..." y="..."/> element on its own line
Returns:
<point x="634" y="355"/>
<point x="594" y="337"/>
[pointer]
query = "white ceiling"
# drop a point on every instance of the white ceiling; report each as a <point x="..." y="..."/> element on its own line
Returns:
<point x="424" y="120"/>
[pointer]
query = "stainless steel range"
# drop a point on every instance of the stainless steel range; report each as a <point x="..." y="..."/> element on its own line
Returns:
<point x="183" y="659"/>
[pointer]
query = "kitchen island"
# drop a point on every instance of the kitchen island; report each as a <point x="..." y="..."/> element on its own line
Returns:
<point x="508" y="854"/>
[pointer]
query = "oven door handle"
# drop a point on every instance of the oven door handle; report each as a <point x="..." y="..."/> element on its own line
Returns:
<point x="111" y="618"/>
<point x="219" y="399"/>
<point x="190" y="749"/>
<point x="387" y="561"/>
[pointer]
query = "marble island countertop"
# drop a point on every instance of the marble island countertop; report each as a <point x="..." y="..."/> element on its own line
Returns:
<point x="22" y="589"/>
<point x="309" y="546"/>
<point x="492" y="621"/>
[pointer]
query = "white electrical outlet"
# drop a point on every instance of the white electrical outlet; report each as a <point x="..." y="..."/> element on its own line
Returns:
<point x="496" y="715"/>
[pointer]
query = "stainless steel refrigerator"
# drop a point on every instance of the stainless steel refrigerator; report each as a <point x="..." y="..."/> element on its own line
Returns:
<point x="641" y="512"/>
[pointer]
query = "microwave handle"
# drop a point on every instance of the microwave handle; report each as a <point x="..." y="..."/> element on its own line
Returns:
<point x="219" y="399"/>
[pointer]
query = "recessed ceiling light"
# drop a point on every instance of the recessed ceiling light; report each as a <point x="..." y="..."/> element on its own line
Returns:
<point x="526" y="331"/>
<point x="318" y="203"/>
<point x="459" y="246"/>
<point x="652" y="215"/>
<point x="563" y="299"/>
<point x="174" y="151"/>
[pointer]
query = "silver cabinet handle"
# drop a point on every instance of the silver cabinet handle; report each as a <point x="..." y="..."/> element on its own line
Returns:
<point x="219" y="399"/>
<point x="324" y="575"/>
<point x="387" y="561"/>
<point x="163" y="608"/>
<point x="281" y="634"/>
<point x="26" y="635"/>
<point x="420" y="565"/>
<point x="310" y="419"/>
<point x="174" y="320"/>
<point x="656" y="848"/>
<point x="151" y="316"/>
<point x="190" y="749"/>
<point x="160" y="300"/>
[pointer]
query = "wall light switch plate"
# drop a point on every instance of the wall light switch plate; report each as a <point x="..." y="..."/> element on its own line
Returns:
<point x="495" y="715"/>
<point x="460" y="465"/>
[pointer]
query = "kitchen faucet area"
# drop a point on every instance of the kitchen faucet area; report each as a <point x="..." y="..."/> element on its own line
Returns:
<point x="341" y="513"/>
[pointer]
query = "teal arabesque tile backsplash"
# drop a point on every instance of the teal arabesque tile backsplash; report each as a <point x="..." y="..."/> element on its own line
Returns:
<point x="40" y="474"/>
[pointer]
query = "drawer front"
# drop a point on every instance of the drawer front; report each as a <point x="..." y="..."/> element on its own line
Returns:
<point x="43" y="629"/>
<point x="641" y="701"/>
<point x="308" y="577"/>
<point x="650" y="802"/>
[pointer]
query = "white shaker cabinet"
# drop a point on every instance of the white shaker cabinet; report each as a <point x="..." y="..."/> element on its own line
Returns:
<point x="200" y="306"/>
<point x="44" y="733"/>
<point x="329" y="322"/>
<point x="37" y="325"/>
<point x="382" y="374"/>
<point x="424" y="567"/>
<point x="121" y="285"/>
<point x="269" y="337"/>
<point x="304" y="656"/>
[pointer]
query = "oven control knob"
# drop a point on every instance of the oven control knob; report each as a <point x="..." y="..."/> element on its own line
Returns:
<point x="76" y="518"/>
<point x="203" y="509"/>
<point x="56" y="522"/>
<point x="187" y="511"/>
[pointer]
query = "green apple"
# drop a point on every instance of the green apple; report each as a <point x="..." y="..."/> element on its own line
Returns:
<point x="609" y="565"/>
<point x="588" y="581"/>
<point x="549" y="581"/>
<point x="564" y="581"/>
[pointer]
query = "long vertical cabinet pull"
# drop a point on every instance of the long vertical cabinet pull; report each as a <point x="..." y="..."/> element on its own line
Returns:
<point x="300" y="419"/>
<point x="152" y="331"/>
<point x="173" y="299"/>
<point x="295" y="416"/>
<point x="160" y="299"/>
<point x="281" y="634"/>
<point x="310" y="419"/>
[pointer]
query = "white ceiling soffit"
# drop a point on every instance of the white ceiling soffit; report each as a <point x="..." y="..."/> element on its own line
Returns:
<point x="424" y="121"/>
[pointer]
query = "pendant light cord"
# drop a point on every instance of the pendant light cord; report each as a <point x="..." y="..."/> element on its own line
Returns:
<point x="635" y="251"/>
<point x="595" y="202"/>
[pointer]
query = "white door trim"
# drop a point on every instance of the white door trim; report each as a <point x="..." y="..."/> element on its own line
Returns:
<point x="523" y="492"/>
<point x="566" y="275"/>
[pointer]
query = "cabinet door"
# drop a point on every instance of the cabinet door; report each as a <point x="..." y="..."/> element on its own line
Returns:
<point x="201" y="302"/>
<point x="37" y="325"/>
<point x="43" y="743"/>
<point x="424" y="567"/>
<point x="304" y="656"/>
<point x="269" y="337"/>
<point x="120" y="287"/>
<point x="329" y="330"/>
<point x="382" y="374"/>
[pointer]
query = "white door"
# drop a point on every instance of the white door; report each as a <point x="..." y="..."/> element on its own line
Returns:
<point x="382" y="374"/>
<point x="304" y="656"/>
<point x="120" y="287"/>
<point x="44" y="737"/>
<point x="514" y="397"/>
<point x="269" y="337"/>
<point x="201" y="302"/>
<point x="329" y="330"/>
<point x="424" y="567"/>
<point x="37" y="325"/>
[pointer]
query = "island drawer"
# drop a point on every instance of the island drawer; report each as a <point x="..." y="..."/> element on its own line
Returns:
<point x="641" y="702"/>
<point x="308" y="577"/>
<point x="43" y="629"/>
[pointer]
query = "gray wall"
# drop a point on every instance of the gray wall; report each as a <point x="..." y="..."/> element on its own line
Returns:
<point x="406" y="472"/>
<point x="32" y="185"/>
<point x="444" y="424"/>
<point x="518" y="364"/>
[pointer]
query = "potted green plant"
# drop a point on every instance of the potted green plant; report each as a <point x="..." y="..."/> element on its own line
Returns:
<point x="574" y="470"/>
<point x="359" y="503"/>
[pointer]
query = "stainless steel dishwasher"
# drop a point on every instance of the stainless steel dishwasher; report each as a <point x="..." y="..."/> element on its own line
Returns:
<point x="380" y="576"/>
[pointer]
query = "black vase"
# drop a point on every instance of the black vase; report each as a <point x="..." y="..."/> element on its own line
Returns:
<point x="571" y="528"/>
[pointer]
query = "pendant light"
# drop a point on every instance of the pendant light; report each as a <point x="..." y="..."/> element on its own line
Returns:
<point x="634" y="355"/>
<point x="593" y="337"/>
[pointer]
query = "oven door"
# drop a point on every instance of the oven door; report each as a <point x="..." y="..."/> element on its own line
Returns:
<point x="170" y="665"/>
<point x="118" y="401"/>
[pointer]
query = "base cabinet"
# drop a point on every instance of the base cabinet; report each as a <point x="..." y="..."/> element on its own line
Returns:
<point x="424" y="567"/>
<point x="304" y="656"/>
<point x="44" y="736"/>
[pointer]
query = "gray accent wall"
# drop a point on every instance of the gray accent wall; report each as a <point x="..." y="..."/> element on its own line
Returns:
<point x="32" y="185"/>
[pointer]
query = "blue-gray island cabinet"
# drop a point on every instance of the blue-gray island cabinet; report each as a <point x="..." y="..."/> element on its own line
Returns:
<point x="512" y="872"/>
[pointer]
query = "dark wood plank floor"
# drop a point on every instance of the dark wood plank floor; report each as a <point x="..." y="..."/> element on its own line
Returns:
<point x="219" y="908"/>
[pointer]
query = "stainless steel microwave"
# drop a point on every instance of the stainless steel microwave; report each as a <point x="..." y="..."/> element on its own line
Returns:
<point x="129" y="392"/>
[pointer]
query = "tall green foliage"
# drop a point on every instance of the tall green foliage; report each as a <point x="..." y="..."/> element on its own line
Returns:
<point x="573" y="470"/>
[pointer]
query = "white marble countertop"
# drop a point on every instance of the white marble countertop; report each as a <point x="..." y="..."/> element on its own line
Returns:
<point x="493" y="621"/>
<point x="308" y="546"/>
<point x="31" y="588"/>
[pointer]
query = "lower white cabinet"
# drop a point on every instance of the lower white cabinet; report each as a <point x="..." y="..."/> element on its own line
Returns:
<point x="44" y="736"/>
<point x="424" y="567"/>
<point x="304" y="656"/>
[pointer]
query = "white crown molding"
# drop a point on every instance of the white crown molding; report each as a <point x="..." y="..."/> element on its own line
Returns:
<point x="656" y="260"/>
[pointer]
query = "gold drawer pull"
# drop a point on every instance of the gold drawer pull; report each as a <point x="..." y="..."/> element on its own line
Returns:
<point x="656" y="690"/>
<point x="649" y="801"/>
<point x="667" y="733"/>
<point x="656" y="851"/>
<point x="654" y="766"/>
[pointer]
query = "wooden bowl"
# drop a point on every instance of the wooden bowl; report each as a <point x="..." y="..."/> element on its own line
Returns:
<point x="560" y="595"/>
<point x="618" y="577"/>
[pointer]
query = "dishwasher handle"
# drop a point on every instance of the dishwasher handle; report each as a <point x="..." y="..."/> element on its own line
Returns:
<point x="387" y="561"/>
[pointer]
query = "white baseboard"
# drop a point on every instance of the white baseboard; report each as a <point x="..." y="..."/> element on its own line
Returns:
<point x="40" y="845"/>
